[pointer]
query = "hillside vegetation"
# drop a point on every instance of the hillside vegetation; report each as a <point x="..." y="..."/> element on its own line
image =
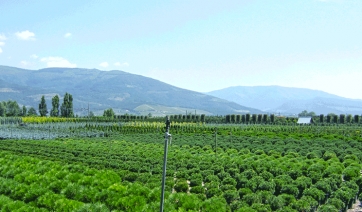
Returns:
<point x="122" y="91"/>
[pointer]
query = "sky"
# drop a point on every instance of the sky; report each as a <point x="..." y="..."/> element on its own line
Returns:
<point x="200" y="45"/>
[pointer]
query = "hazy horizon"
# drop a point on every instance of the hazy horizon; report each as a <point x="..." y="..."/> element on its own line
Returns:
<point x="196" y="45"/>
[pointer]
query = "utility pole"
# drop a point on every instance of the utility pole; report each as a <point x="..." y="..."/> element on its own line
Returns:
<point x="83" y="109"/>
<point x="167" y="136"/>
<point x="215" y="141"/>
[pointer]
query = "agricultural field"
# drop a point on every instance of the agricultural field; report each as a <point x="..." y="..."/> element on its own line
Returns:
<point x="70" y="165"/>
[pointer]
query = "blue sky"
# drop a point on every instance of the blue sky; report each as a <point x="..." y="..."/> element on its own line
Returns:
<point x="201" y="45"/>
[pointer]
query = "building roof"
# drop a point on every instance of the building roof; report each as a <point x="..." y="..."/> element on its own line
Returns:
<point x="305" y="120"/>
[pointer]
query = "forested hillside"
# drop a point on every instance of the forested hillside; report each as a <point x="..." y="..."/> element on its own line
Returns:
<point x="124" y="92"/>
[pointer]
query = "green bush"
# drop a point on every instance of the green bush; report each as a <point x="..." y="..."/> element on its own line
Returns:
<point x="197" y="190"/>
<point x="181" y="186"/>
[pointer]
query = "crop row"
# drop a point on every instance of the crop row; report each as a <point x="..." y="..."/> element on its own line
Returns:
<point x="41" y="185"/>
<point x="48" y="130"/>
<point x="244" y="172"/>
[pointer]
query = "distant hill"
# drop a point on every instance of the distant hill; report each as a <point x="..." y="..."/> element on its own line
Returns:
<point x="122" y="91"/>
<point x="286" y="100"/>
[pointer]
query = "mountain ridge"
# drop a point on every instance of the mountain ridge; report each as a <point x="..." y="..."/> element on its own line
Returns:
<point x="119" y="90"/>
<point x="289" y="100"/>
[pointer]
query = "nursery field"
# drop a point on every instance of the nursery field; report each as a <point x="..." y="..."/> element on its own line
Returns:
<point x="109" y="166"/>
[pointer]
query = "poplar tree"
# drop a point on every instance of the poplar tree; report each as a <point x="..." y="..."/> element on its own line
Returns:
<point x="202" y="117"/>
<point x="238" y="118"/>
<point x="66" y="110"/>
<point x="356" y="119"/>
<point x="349" y="118"/>
<point x="227" y="118"/>
<point x="253" y="118"/>
<point x="55" y="106"/>
<point x="43" y="107"/>
<point x="243" y="118"/>
<point x="272" y="118"/>
<point x="342" y="118"/>
<point x="233" y="118"/>
<point x="247" y="118"/>
<point x="260" y="118"/>
<point x="321" y="118"/>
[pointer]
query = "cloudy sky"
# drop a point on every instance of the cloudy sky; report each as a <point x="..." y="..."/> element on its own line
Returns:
<point x="201" y="45"/>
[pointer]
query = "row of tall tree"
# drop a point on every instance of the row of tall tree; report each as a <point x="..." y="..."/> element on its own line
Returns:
<point x="331" y="117"/>
<point x="65" y="110"/>
<point x="341" y="119"/>
<point x="11" y="108"/>
<point x="264" y="118"/>
<point x="249" y="118"/>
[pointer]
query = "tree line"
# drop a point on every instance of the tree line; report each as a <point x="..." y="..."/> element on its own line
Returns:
<point x="11" y="108"/>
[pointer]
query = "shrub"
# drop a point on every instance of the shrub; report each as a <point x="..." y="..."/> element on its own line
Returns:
<point x="197" y="190"/>
<point x="181" y="186"/>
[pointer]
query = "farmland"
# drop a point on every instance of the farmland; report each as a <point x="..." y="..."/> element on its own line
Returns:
<point x="105" y="165"/>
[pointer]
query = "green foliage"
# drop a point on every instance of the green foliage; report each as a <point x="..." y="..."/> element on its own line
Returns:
<point x="230" y="196"/>
<point x="351" y="173"/>
<point x="32" y="112"/>
<point x="10" y="109"/>
<point x="43" y="107"/>
<point x="55" y="106"/>
<point x="262" y="168"/>
<point x="185" y="201"/>
<point x="3" y="109"/>
<point x="181" y="186"/>
<point x="198" y="190"/>
<point x="66" y="109"/>
<point x="214" y="204"/>
<point x="328" y="208"/>
<point x="109" y="113"/>
<point x="24" y="111"/>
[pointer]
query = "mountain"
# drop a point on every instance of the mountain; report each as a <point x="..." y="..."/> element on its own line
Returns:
<point x="286" y="100"/>
<point x="121" y="91"/>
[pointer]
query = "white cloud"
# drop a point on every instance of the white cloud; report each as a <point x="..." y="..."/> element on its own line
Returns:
<point x="333" y="1"/>
<point x="2" y="37"/>
<point x="25" y="35"/>
<point x="125" y="64"/>
<point x="68" y="35"/>
<point x="34" y="56"/>
<point x="57" y="62"/>
<point x="24" y="63"/>
<point x="104" y="64"/>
